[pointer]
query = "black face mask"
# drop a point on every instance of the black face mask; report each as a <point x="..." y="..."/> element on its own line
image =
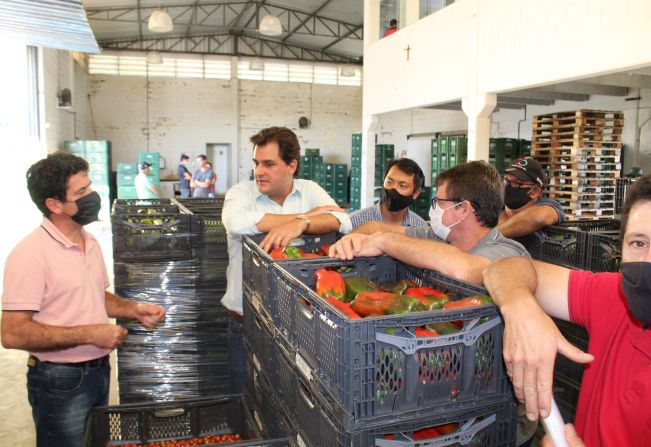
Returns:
<point x="89" y="207"/>
<point x="394" y="201"/>
<point x="636" y="285"/>
<point x="515" y="198"/>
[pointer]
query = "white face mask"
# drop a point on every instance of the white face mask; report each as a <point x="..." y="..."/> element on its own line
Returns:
<point x="436" y="220"/>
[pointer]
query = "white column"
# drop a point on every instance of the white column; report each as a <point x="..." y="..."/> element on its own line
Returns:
<point x="369" y="125"/>
<point x="412" y="12"/>
<point x="478" y="109"/>
<point x="371" y="22"/>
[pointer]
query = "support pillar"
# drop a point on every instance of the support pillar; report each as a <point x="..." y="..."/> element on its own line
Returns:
<point x="478" y="109"/>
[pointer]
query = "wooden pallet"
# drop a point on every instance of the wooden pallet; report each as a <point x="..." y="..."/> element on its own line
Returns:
<point x="572" y="151"/>
<point x="581" y="196"/>
<point x="575" y="159"/>
<point x="562" y="134"/>
<point x="571" y="142"/>
<point x="578" y="189"/>
<point x="582" y="113"/>
<point x="588" y="214"/>
<point x="542" y="128"/>
<point x="585" y="182"/>
<point x="581" y="167"/>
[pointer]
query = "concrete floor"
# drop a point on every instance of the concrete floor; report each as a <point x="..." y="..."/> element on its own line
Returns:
<point x="16" y="425"/>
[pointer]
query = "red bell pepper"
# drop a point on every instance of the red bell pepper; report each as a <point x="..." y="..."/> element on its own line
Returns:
<point x="311" y="255"/>
<point x="384" y="303"/>
<point x="447" y="428"/>
<point x="422" y="332"/>
<point x="471" y="301"/>
<point x="431" y="298"/>
<point x="330" y="284"/>
<point x="344" y="308"/>
<point x="426" y="433"/>
<point x="397" y="287"/>
<point x="278" y="253"/>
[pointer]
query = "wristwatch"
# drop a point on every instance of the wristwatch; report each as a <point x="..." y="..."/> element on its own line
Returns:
<point x="307" y="221"/>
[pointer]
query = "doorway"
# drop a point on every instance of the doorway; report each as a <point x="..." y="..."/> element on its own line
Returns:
<point x="219" y="155"/>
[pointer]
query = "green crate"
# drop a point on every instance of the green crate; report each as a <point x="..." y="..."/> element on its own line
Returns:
<point x="75" y="146"/>
<point x="99" y="178"/>
<point x="126" y="179"/>
<point x="127" y="168"/>
<point x="357" y="139"/>
<point x="127" y="192"/>
<point x="100" y="146"/>
<point x="152" y="158"/>
<point x="356" y="161"/>
<point x="98" y="158"/>
<point x="444" y="143"/>
<point x="312" y="152"/>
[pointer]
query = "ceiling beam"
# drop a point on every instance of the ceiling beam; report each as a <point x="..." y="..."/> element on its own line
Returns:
<point x="630" y="80"/>
<point x="587" y="88"/>
<point x="507" y="99"/>
<point x="336" y="41"/>
<point x="304" y="21"/>
<point x="541" y="93"/>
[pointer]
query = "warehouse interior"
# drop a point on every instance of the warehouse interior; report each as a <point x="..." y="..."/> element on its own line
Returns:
<point x="481" y="70"/>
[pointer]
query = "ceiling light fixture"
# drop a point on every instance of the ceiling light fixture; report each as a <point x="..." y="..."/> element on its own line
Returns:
<point x="154" y="57"/>
<point x="160" y="22"/>
<point x="270" y="26"/>
<point x="256" y="64"/>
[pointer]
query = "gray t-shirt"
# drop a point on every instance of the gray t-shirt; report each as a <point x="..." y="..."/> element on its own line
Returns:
<point x="202" y="176"/>
<point x="492" y="246"/>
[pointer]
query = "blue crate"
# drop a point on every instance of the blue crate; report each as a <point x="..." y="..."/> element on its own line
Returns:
<point x="256" y="272"/>
<point x="315" y="421"/>
<point x="372" y="374"/>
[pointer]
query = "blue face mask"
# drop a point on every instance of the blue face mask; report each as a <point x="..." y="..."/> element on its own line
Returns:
<point x="436" y="220"/>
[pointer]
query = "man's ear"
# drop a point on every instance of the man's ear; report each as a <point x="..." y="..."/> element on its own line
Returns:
<point x="293" y="166"/>
<point x="416" y="193"/>
<point x="55" y="206"/>
<point x="535" y="192"/>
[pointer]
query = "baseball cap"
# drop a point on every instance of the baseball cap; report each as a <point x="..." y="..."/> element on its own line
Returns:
<point x="527" y="169"/>
<point x="144" y="165"/>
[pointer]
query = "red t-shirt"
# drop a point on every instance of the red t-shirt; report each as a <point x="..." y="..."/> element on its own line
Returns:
<point x="613" y="409"/>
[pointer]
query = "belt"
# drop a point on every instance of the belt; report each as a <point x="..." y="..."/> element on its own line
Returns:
<point x="235" y="316"/>
<point x="32" y="361"/>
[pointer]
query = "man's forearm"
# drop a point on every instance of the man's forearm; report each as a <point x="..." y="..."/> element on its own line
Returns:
<point x="374" y="227"/>
<point x="432" y="255"/>
<point x="508" y="288"/>
<point x="119" y="308"/>
<point x="36" y="337"/>
<point x="270" y="221"/>
<point x="323" y="223"/>
<point x="528" y="221"/>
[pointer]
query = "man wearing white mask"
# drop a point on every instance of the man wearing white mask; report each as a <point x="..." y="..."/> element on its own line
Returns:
<point x="462" y="239"/>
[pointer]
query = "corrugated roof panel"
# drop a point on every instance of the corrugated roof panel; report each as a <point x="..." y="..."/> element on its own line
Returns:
<point x="60" y="24"/>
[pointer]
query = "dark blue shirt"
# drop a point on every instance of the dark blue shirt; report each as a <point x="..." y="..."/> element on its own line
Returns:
<point x="185" y="183"/>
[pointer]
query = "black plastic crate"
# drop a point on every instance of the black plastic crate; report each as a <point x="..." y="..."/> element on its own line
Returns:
<point x="376" y="367"/>
<point x="260" y="341"/>
<point x="558" y="245"/>
<point x="316" y="424"/>
<point x="156" y="237"/>
<point x="256" y="264"/>
<point x="566" y="394"/>
<point x="209" y="239"/>
<point x="621" y="189"/>
<point x="564" y="367"/>
<point x="604" y="251"/>
<point x="182" y="419"/>
<point x="203" y="206"/>
<point x="144" y="206"/>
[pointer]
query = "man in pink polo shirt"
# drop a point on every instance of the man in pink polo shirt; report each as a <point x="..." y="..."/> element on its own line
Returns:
<point x="55" y="303"/>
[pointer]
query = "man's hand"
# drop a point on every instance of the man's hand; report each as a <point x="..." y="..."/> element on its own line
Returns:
<point x="531" y="341"/>
<point x="355" y="245"/>
<point x="281" y="234"/>
<point x="571" y="437"/>
<point x="323" y="209"/>
<point x="149" y="314"/>
<point x="106" y="336"/>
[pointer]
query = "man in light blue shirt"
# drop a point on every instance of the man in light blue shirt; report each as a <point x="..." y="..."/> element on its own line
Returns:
<point x="277" y="204"/>
<point x="145" y="188"/>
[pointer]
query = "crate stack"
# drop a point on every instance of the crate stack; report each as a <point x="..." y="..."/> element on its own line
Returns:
<point x="335" y="182"/>
<point x="155" y="261"/>
<point x="580" y="152"/>
<point x="504" y="151"/>
<point x="447" y="152"/>
<point x="126" y="178"/>
<point x="423" y="202"/>
<point x="312" y="167"/>
<point x="98" y="155"/>
<point x="371" y="381"/>
<point x="356" y="172"/>
<point x="620" y="192"/>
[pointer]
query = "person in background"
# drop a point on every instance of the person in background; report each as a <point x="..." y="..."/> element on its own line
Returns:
<point x="55" y="303"/>
<point x="525" y="211"/>
<point x="402" y="185"/>
<point x="462" y="239"/>
<point x="615" y="309"/>
<point x="201" y="179"/>
<point x="145" y="188"/>
<point x="213" y="180"/>
<point x="393" y="27"/>
<point x="275" y="203"/>
<point x="184" y="176"/>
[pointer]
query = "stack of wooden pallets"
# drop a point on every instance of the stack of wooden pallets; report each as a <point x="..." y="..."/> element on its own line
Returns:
<point x="580" y="152"/>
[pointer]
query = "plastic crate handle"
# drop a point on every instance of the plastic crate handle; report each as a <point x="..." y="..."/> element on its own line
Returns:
<point x="463" y="436"/>
<point x="169" y="412"/>
<point x="411" y="344"/>
<point x="303" y="392"/>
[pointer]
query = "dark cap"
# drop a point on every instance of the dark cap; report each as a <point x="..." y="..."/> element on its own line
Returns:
<point x="144" y="165"/>
<point x="527" y="169"/>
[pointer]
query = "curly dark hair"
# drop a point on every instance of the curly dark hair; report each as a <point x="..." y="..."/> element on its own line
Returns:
<point x="479" y="183"/>
<point x="640" y="190"/>
<point x="288" y="145"/>
<point x="48" y="178"/>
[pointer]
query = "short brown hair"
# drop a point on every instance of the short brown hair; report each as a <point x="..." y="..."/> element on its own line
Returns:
<point x="639" y="191"/>
<point x="480" y="184"/>
<point x="288" y="146"/>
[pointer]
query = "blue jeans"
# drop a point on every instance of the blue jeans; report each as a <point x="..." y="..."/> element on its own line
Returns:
<point x="61" y="397"/>
<point x="235" y="341"/>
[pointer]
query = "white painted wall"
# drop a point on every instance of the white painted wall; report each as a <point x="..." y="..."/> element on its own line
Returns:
<point x="186" y="114"/>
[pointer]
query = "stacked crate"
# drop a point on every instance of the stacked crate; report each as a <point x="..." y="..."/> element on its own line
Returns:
<point x="161" y="257"/>
<point x="383" y="154"/>
<point x="126" y="178"/>
<point x="447" y="151"/>
<point x="580" y="152"/>
<point x="98" y="155"/>
<point x="423" y="203"/>
<point x="372" y="381"/>
<point x="356" y="172"/>
<point x="153" y="158"/>
<point x="335" y="182"/>
<point x="312" y="167"/>
<point x="504" y="151"/>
